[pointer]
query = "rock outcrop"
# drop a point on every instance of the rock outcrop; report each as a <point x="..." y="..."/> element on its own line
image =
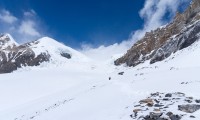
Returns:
<point x="160" y="43"/>
<point x="162" y="105"/>
<point x="189" y="108"/>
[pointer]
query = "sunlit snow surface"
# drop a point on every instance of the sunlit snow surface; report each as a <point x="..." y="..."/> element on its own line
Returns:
<point x="81" y="90"/>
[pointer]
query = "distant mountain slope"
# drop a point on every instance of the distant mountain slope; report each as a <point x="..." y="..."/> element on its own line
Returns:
<point x="13" y="56"/>
<point x="160" y="43"/>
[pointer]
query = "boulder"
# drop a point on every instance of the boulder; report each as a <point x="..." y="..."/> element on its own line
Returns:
<point x="189" y="108"/>
<point x="136" y="110"/>
<point x="120" y="73"/>
<point x="197" y="101"/>
<point x="168" y="95"/>
<point x="192" y="116"/>
<point x="153" y="116"/>
<point x="66" y="55"/>
<point x="146" y="101"/>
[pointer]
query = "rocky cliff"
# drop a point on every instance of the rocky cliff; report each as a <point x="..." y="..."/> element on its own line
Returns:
<point x="162" y="42"/>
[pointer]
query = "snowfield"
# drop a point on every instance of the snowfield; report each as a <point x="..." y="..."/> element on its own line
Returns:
<point x="81" y="90"/>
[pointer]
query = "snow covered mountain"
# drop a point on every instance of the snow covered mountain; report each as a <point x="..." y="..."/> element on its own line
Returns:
<point x="13" y="55"/>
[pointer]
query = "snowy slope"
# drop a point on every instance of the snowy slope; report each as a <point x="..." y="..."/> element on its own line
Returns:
<point x="55" y="48"/>
<point x="81" y="90"/>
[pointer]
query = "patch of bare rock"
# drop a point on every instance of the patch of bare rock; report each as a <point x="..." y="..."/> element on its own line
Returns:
<point x="165" y="106"/>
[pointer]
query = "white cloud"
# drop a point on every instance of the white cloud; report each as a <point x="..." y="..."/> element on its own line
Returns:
<point x="153" y="13"/>
<point x="7" y="17"/>
<point x="30" y="13"/>
<point x="23" y="29"/>
<point x="103" y="53"/>
<point x="28" y="27"/>
<point x="155" y="10"/>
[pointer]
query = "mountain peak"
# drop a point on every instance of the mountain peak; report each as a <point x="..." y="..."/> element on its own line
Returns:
<point x="7" y="41"/>
<point x="46" y="49"/>
<point x="47" y="39"/>
<point x="55" y="49"/>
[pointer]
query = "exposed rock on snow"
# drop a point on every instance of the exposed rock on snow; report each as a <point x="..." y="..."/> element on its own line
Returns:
<point x="162" y="105"/>
<point x="168" y="95"/>
<point x="197" y="101"/>
<point x="11" y="60"/>
<point x="66" y="55"/>
<point x="189" y="108"/>
<point x="160" y="43"/>
<point x="120" y="73"/>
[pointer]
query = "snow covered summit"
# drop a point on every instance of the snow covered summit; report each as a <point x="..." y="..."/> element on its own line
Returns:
<point x="55" y="49"/>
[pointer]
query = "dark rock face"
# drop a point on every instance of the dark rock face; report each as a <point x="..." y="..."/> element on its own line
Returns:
<point x="160" y="43"/>
<point x="20" y="57"/>
<point x="182" y="40"/>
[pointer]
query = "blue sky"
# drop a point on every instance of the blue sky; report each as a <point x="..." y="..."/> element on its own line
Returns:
<point x="77" y="22"/>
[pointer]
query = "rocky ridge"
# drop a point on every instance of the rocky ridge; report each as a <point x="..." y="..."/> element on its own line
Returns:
<point x="159" y="44"/>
